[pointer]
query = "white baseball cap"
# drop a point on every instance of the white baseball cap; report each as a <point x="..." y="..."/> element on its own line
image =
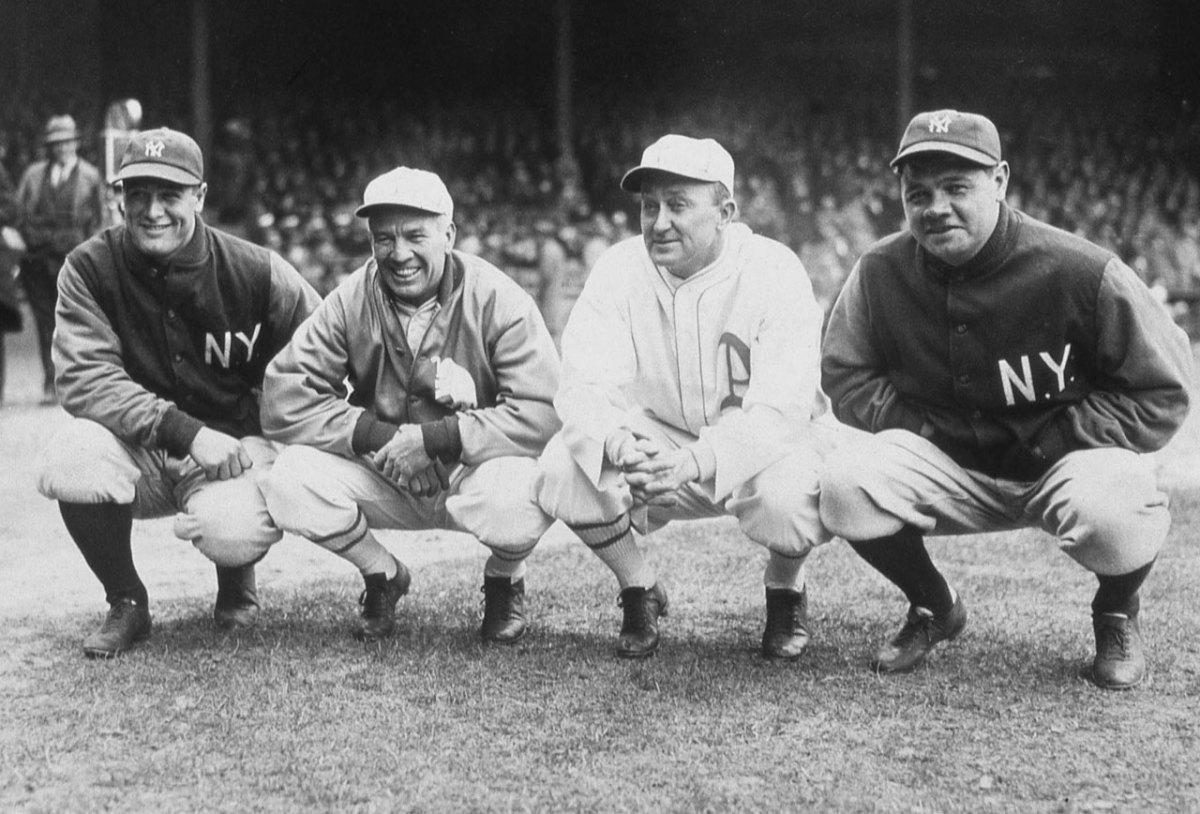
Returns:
<point x="404" y="186"/>
<point x="701" y="159"/>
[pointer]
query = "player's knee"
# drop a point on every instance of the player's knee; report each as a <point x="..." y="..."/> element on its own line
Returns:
<point x="85" y="463"/>
<point x="778" y="507"/>
<point x="1115" y="530"/>
<point x="843" y="497"/>
<point x="563" y="490"/>
<point x="287" y="486"/>
<point x="234" y="552"/>
<point x="497" y="505"/>
<point x="229" y="524"/>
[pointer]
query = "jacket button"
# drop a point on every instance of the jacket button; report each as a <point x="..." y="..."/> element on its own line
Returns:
<point x="178" y="358"/>
<point x="960" y="328"/>
<point x="964" y="378"/>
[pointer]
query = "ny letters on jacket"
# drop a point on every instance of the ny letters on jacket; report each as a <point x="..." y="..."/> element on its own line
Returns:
<point x="195" y="332"/>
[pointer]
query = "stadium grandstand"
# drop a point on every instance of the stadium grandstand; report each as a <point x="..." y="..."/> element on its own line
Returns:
<point x="532" y="109"/>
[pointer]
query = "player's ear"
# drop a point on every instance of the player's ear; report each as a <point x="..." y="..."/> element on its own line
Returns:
<point x="728" y="211"/>
<point x="451" y="233"/>
<point x="1000" y="175"/>
<point x="200" y="193"/>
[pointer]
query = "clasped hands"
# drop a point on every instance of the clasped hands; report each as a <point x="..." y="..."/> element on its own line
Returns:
<point x="654" y="476"/>
<point x="404" y="462"/>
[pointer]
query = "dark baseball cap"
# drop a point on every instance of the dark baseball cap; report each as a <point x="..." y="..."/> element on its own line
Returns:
<point x="164" y="154"/>
<point x="966" y="135"/>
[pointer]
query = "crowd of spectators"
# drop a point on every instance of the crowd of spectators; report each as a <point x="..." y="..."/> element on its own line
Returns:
<point x="811" y="174"/>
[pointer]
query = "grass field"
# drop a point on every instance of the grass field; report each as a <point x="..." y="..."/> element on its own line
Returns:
<point x="297" y="716"/>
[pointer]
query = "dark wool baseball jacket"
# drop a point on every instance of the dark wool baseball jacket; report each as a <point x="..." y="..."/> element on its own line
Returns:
<point x="1041" y="344"/>
<point x="156" y="351"/>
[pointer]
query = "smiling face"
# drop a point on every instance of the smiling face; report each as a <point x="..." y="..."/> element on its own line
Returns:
<point x="683" y="222"/>
<point x="951" y="205"/>
<point x="411" y="248"/>
<point x="159" y="216"/>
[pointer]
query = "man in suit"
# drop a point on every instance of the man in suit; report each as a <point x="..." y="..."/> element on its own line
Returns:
<point x="61" y="200"/>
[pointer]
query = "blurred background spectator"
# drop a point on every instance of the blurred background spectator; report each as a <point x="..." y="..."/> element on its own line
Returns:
<point x="811" y="175"/>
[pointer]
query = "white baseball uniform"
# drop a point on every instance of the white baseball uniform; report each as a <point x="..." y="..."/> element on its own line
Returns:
<point x="724" y="363"/>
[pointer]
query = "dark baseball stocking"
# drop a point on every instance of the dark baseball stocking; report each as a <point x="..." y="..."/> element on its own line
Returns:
<point x="102" y="532"/>
<point x="902" y="558"/>
<point x="1119" y="594"/>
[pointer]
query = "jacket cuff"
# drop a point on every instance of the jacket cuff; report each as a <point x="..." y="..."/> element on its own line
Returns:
<point x="176" y="431"/>
<point x="371" y="434"/>
<point x="442" y="439"/>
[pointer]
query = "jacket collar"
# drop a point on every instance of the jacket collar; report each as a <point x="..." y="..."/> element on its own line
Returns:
<point x="192" y="255"/>
<point x="988" y="258"/>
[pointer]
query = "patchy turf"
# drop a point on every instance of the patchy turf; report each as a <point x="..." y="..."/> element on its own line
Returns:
<point x="296" y="715"/>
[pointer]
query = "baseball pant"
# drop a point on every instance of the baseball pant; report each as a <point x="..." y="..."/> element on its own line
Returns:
<point x="85" y="463"/>
<point x="777" y="508"/>
<point x="333" y="500"/>
<point x="39" y="278"/>
<point x="1102" y="504"/>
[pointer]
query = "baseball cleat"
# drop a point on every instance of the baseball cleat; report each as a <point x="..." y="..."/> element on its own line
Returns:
<point x="503" y="610"/>
<point x="787" y="631"/>
<point x="920" y="632"/>
<point x="1120" y="663"/>
<point x="639" y="632"/>
<point x="237" y="598"/>
<point x="127" y="623"/>
<point x="377" y="617"/>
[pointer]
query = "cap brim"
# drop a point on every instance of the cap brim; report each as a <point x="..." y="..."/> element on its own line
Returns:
<point x="61" y="138"/>
<point x="968" y="153"/>
<point x="365" y="210"/>
<point x="159" y="172"/>
<point x="632" y="180"/>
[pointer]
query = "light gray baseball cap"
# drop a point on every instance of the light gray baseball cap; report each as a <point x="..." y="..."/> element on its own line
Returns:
<point x="407" y="187"/>
<point x="700" y="159"/>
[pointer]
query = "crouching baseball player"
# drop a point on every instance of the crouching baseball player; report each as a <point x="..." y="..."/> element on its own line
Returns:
<point x="164" y="326"/>
<point x="452" y="374"/>
<point x="690" y="371"/>
<point x="1014" y="375"/>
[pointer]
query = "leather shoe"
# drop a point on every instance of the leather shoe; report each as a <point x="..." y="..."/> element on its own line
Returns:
<point x="127" y="623"/>
<point x="639" y="631"/>
<point x="377" y="617"/>
<point x="1120" y="663"/>
<point x="503" y="610"/>
<point x="786" y="634"/>
<point x="237" y="598"/>
<point x="920" y="632"/>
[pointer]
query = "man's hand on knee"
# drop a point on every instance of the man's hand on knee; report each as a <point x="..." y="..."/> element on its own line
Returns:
<point x="428" y="482"/>
<point x="403" y="457"/>
<point x="221" y="456"/>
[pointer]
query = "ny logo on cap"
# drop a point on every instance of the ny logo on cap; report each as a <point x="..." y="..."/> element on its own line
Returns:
<point x="154" y="149"/>
<point x="939" y="124"/>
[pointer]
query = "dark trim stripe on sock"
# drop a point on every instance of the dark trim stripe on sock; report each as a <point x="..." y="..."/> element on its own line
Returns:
<point x="607" y="533"/>
<point x="510" y="556"/>
<point x="330" y="540"/>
